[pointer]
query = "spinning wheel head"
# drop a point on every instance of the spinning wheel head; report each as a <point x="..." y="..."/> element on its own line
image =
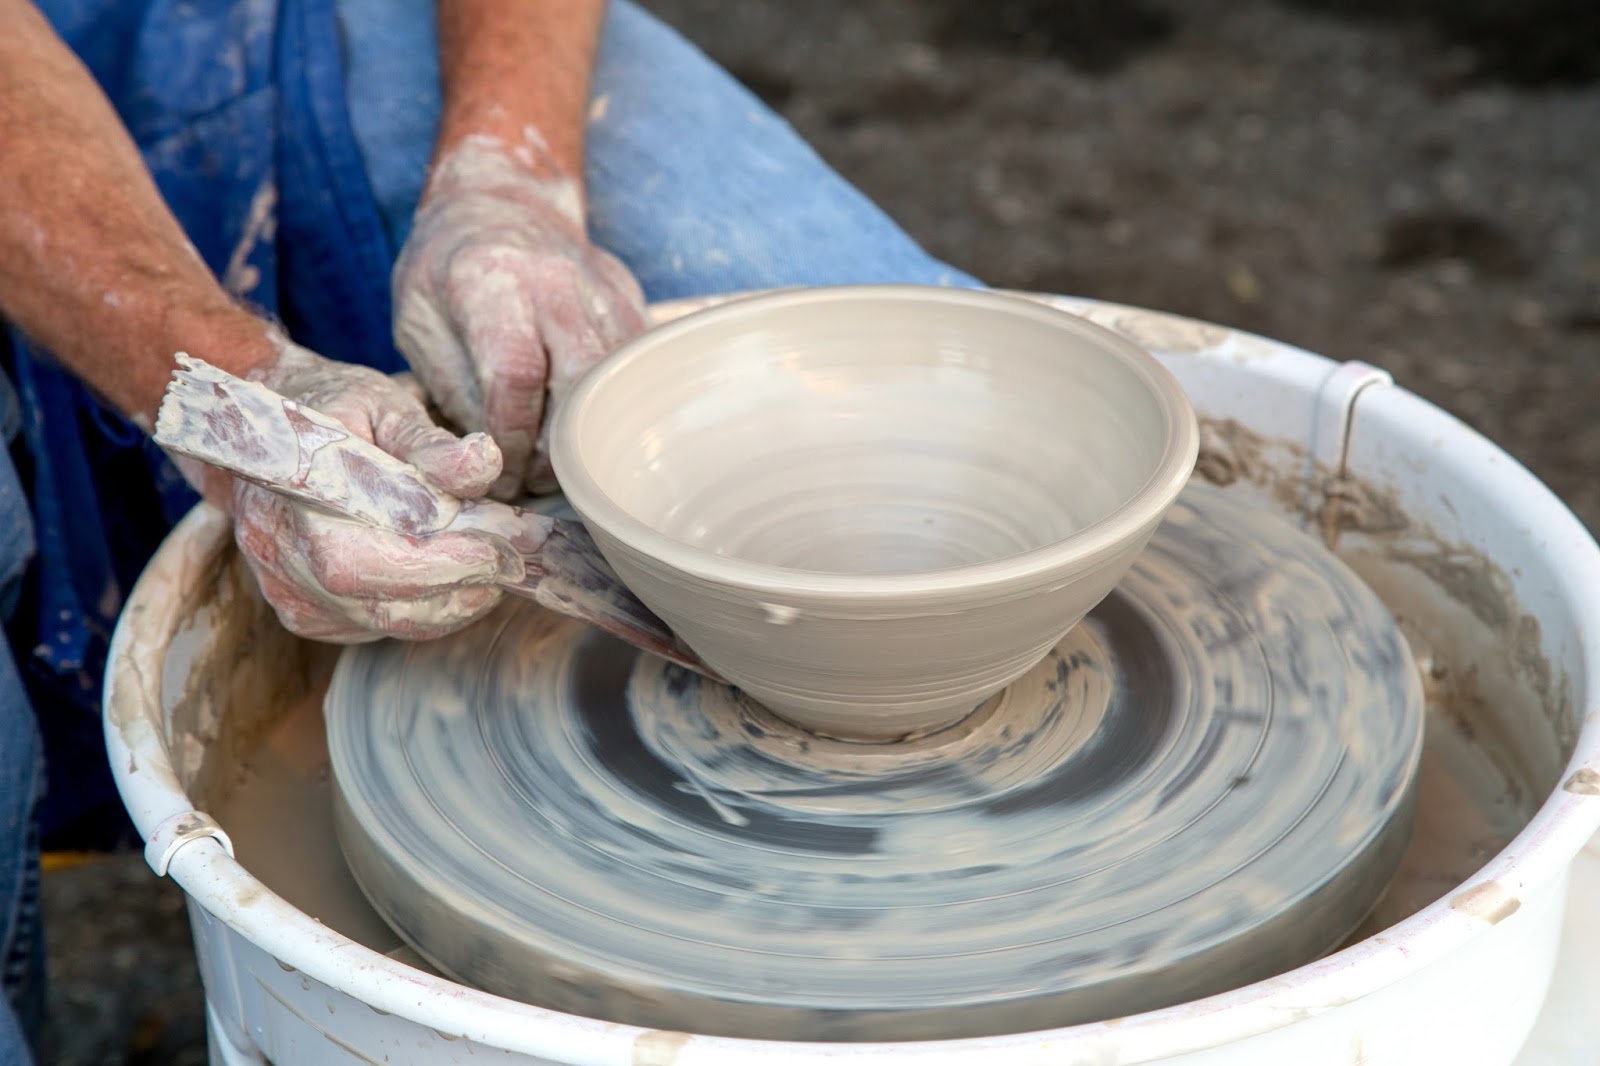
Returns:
<point x="1208" y="781"/>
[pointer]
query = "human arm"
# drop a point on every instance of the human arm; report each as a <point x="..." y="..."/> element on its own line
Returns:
<point x="94" y="267"/>
<point x="88" y="250"/>
<point x="501" y="301"/>
<point x="510" y="68"/>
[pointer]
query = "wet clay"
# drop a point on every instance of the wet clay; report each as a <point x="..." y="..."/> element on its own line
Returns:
<point x="286" y="787"/>
<point x="1209" y="781"/>
<point x="874" y="507"/>
<point x="1482" y="653"/>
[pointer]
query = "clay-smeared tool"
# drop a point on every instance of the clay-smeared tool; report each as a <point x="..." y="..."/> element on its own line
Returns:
<point x="252" y="432"/>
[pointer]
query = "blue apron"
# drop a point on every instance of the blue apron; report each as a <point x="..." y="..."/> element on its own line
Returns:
<point x="240" y="112"/>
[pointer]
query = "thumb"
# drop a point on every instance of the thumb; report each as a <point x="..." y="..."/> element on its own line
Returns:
<point x="462" y="466"/>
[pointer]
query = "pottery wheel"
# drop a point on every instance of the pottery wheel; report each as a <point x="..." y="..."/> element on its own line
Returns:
<point x="1207" y="782"/>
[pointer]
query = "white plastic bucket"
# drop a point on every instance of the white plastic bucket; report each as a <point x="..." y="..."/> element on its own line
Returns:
<point x="1488" y="570"/>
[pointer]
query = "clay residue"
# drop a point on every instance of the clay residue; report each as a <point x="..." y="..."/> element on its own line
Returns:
<point x="1585" y="782"/>
<point x="1463" y="573"/>
<point x="1489" y="902"/>
<point x="1166" y="333"/>
<point x="1488" y="671"/>
<point x="1367" y="525"/>
<point x="1160" y="331"/>
<point x="1298" y="484"/>
<point x="1468" y="809"/>
<point x="1484" y="589"/>
<point x="658" y="1048"/>
<point x="276" y="806"/>
<point x="735" y="754"/>
<point x="1501" y="718"/>
<point x="1349" y="504"/>
<point x="248" y="669"/>
<point x="1231" y="453"/>
<point x="1473" y="581"/>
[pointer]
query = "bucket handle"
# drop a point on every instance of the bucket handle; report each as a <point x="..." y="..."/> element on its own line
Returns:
<point x="178" y="830"/>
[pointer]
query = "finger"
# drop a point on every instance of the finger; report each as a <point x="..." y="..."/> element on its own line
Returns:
<point x="385" y="412"/>
<point x="262" y="523"/>
<point x="496" y="315"/>
<point x="426" y="617"/>
<point x="466" y="466"/>
<point x="436" y="354"/>
<point x="408" y="380"/>
<point x="336" y="581"/>
<point x="626" y="317"/>
<point x="258" y="517"/>
<point x="347" y="559"/>
<point x="350" y="620"/>
<point x="314" y="619"/>
<point x="617" y="320"/>
<point x="541" y="477"/>
<point x="568" y="322"/>
<point x="576" y="345"/>
<point x="462" y="466"/>
<point x="317" y="615"/>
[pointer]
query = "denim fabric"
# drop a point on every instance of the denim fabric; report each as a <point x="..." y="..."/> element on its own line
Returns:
<point x="693" y="181"/>
<point x="21" y="777"/>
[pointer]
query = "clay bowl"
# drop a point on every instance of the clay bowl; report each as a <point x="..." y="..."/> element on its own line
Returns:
<point x="873" y="507"/>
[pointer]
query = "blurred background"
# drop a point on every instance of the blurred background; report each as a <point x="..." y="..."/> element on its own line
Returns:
<point x="1411" y="183"/>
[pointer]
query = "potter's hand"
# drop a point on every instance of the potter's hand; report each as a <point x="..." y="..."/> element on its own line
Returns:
<point x="342" y="581"/>
<point x="501" y="303"/>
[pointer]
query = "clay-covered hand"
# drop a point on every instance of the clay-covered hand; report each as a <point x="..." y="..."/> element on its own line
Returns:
<point x="502" y="303"/>
<point x="346" y="582"/>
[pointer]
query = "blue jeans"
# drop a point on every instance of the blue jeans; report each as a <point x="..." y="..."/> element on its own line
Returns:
<point x="21" y="777"/>
<point x="693" y="182"/>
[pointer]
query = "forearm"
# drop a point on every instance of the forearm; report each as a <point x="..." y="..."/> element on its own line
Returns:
<point x="92" y="264"/>
<point x="520" y="73"/>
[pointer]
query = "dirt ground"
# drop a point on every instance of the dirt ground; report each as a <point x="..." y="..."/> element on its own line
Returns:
<point x="1409" y="183"/>
<point x="1373" y="189"/>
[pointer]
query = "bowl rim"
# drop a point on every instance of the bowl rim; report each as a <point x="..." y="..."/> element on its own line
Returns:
<point x="1073" y="553"/>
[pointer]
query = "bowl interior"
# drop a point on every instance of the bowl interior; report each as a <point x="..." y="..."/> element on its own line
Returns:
<point x="872" y="434"/>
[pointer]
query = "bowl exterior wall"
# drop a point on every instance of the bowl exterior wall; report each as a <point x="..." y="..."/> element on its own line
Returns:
<point x="898" y="668"/>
